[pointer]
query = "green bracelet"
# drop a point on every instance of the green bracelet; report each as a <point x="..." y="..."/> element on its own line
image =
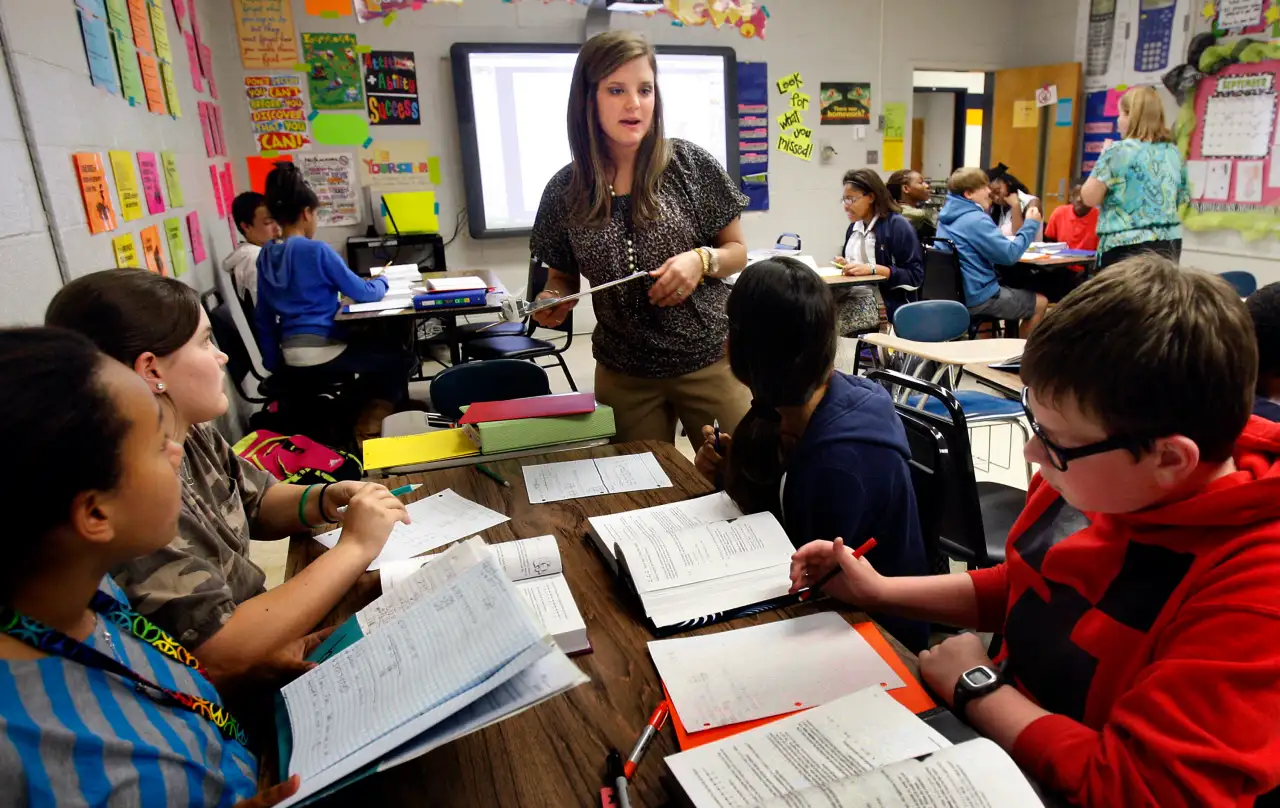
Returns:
<point x="302" y="507"/>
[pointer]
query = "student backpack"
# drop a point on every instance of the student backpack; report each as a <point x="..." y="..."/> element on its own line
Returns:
<point x="297" y="459"/>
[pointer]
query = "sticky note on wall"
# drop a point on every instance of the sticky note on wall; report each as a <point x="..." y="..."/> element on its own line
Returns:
<point x="336" y="129"/>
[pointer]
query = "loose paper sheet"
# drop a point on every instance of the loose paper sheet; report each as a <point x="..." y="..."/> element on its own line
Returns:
<point x="664" y="520"/>
<point x="1249" y="181"/>
<point x="1218" y="180"/>
<point x="265" y="29"/>
<point x="553" y="482"/>
<point x="706" y="552"/>
<point x="1198" y="177"/>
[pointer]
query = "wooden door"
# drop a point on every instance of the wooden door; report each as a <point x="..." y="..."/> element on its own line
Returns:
<point x="917" y="144"/>
<point x="1037" y="150"/>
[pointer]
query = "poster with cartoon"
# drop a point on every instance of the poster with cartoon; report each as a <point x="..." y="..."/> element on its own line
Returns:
<point x="333" y="71"/>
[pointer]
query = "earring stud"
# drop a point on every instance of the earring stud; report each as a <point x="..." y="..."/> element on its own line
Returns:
<point x="159" y="387"/>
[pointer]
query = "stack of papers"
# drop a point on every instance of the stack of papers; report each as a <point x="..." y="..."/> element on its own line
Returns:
<point x="404" y="281"/>
<point x="437" y="520"/>
<point x="552" y="482"/>
<point x="665" y="520"/>
<point x="465" y="284"/>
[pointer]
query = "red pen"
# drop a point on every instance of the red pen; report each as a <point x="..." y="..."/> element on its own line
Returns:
<point x="651" y="731"/>
<point x="867" y="546"/>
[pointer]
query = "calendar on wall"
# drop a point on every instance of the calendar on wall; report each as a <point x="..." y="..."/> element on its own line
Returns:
<point x="1240" y="117"/>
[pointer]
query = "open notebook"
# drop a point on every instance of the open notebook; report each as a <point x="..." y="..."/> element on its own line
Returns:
<point x="415" y="672"/>
<point x="535" y="567"/>
<point x="697" y="562"/>
<point x="864" y="750"/>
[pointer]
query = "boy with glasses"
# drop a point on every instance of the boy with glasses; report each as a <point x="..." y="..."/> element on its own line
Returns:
<point x="1138" y="600"/>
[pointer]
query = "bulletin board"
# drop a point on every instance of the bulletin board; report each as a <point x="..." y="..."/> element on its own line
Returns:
<point x="1233" y="154"/>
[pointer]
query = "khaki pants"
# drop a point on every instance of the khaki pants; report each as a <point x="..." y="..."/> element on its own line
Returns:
<point x="647" y="409"/>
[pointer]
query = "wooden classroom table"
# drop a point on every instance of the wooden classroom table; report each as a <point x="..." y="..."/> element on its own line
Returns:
<point x="553" y="756"/>
<point x="492" y="305"/>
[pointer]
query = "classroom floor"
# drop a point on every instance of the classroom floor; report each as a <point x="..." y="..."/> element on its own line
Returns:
<point x="997" y="450"/>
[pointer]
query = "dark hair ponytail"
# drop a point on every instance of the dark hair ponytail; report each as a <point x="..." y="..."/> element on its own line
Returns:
<point x="782" y="346"/>
<point x="127" y="313"/>
<point x="288" y="194"/>
<point x="63" y="425"/>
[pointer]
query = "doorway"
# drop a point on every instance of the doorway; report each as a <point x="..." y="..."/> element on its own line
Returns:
<point x="948" y="113"/>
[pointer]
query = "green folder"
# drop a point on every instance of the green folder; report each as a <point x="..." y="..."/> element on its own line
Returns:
<point x="527" y="433"/>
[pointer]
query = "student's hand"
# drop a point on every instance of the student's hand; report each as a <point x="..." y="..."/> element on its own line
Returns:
<point x="859" y="270"/>
<point x="553" y="316"/>
<point x="941" y="666"/>
<point x="708" y="460"/>
<point x="1033" y="213"/>
<point x="272" y="672"/>
<point x="858" y="582"/>
<point x="272" y="796"/>
<point x="371" y="515"/>
<point x="339" y="495"/>
<point x="676" y="279"/>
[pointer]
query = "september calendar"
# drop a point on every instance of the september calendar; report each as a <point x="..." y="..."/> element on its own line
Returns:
<point x="1239" y="125"/>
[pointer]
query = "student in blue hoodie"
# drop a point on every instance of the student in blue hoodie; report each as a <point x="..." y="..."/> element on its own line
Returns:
<point x="821" y="450"/>
<point x="299" y="280"/>
<point x="965" y="221"/>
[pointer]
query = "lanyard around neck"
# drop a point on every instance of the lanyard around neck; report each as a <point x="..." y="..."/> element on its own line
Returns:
<point x="54" y="642"/>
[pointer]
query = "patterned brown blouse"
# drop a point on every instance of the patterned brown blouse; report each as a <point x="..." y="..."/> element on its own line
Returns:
<point x="697" y="200"/>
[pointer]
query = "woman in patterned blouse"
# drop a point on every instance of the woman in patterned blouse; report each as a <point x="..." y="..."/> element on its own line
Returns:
<point x="1138" y="184"/>
<point x="634" y="200"/>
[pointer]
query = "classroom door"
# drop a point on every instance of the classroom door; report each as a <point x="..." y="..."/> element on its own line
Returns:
<point x="1038" y="144"/>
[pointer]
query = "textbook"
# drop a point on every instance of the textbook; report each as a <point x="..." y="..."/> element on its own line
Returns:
<point x="697" y="562"/>
<point x="493" y="437"/>
<point x="859" y="751"/>
<point x="534" y="565"/>
<point x="532" y="407"/>
<point x="425" y="447"/>
<point x="457" y="652"/>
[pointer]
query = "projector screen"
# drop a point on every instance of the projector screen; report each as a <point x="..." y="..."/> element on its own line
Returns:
<point x="512" y="101"/>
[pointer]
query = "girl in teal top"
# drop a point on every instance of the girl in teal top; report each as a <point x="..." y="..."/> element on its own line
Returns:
<point x="1138" y="184"/>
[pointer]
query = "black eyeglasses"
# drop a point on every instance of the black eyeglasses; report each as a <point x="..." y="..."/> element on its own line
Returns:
<point x="1060" y="456"/>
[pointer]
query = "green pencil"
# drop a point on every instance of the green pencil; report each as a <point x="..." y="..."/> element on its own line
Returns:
<point x="492" y="475"/>
<point x="405" y="489"/>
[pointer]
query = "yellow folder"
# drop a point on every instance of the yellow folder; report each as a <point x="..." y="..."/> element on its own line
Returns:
<point x="408" y="450"/>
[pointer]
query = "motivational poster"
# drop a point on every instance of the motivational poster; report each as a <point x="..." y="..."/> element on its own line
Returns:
<point x="277" y="112"/>
<point x="399" y="164"/>
<point x="391" y="85"/>
<point x="265" y="29"/>
<point x="149" y="171"/>
<point x="845" y="103"/>
<point x="333" y="178"/>
<point x="333" y="71"/>
<point x="92" y="177"/>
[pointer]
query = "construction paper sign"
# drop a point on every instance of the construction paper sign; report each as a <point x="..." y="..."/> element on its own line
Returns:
<point x="171" y="179"/>
<point x="92" y="176"/>
<point x="118" y="17"/>
<point x="206" y="64"/>
<point x="790" y="83"/>
<point x="340" y="130"/>
<point x="329" y="8"/>
<point x="197" y="82"/>
<point x="97" y="49"/>
<point x="159" y="31"/>
<point x="789" y="119"/>
<point x="800" y="101"/>
<point x="894" y="157"/>
<point x="1025" y="115"/>
<point x="399" y="164"/>
<point x="97" y="8"/>
<point x="126" y="251"/>
<point x="333" y="71"/>
<point x="219" y="133"/>
<point x="130" y="75"/>
<point x="228" y="189"/>
<point x="149" y="171"/>
<point x="180" y="11"/>
<point x="795" y="147"/>
<point x="153" y="250"/>
<point x="206" y="128"/>
<point x="391" y="85"/>
<point x="170" y="90"/>
<point x="265" y="29"/>
<point x="277" y="112"/>
<point x="260" y="167"/>
<point x="126" y="185"/>
<point x="177" y="249"/>
<point x="1066" y="113"/>
<point x="1111" y="108"/>
<point x="140" y="22"/>
<point x="197" y="238"/>
<point x="895" y="121"/>
<point x="217" y="191"/>
<point x="195" y="21"/>
<point x="151" y="82"/>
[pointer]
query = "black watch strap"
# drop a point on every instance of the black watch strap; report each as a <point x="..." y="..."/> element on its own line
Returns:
<point x="975" y="683"/>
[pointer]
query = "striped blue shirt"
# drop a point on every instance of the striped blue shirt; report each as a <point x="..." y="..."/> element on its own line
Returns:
<point x="75" y="735"/>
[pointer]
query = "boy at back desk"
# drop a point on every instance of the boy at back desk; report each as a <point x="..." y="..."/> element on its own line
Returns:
<point x="1138" y="600"/>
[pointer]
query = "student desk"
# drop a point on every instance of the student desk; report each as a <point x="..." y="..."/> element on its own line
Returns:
<point x="1086" y="261"/>
<point x="964" y="352"/>
<point x="1002" y="381"/>
<point x="554" y="754"/>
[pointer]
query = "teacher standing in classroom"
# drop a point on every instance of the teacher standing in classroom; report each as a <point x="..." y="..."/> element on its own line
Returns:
<point x="1138" y="184"/>
<point x="635" y="200"/>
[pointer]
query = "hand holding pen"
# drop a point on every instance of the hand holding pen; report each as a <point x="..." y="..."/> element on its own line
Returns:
<point x="833" y="569"/>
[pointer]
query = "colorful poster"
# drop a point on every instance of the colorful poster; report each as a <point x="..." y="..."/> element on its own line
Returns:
<point x="391" y="84"/>
<point x="160" y="31"/>
<point x="126" y="185"/>
<point x="171" y="179"/>
<point x="92" y="177"/>
<point x="153" y="250"/>
<point x="400" y="165"/>
<point x="197" y="81"/>
<point x="260" y="167"/>
<point x="333" y="71"/>
<point x="130" y="76"/>
<point x="197" y="238"/>
<point x="140" y="23"/>
<point x="1239" y="13"/>
<point x="149" y="171"/>
<point x="170" y="90"/>
<point x="753" y="133"/>
<point x="97" y="49"/>
<point x="845" y="103"/>
<point x="277" y="112"/>
<point x="333" y="178"/>
<point x="126" y="251"/>
<point x="177" y="249"/>
<point x="151" y="82"/>
<point x="217" y="192"/>
<point x="265" y="29"/>
<point x="340" y="129"/>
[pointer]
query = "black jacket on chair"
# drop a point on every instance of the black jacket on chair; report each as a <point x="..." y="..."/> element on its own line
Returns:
<point x="898" y="248"/>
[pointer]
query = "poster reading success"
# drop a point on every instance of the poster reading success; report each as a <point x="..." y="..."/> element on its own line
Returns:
<point x="276" y="112"/>
<point x="333" y="178"/>
<point x="333" y="71"/>
<point x="391" y="84"/>
<point x="845" y="103"/>
<point x="265" y="29"/>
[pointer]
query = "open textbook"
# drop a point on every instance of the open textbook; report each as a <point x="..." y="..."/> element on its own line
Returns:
<point x="535" y="567"/>
<point x="464" y="654"/>
<point x="697" y="561"/>
<point x="859" y="751"/>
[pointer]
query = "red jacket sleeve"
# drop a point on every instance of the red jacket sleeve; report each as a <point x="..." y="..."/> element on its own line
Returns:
<point x="991" y="585"/>
<point x="1201" y="725"/>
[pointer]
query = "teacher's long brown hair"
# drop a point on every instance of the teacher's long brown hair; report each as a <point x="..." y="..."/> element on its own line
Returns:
<point x="588" y="191"/>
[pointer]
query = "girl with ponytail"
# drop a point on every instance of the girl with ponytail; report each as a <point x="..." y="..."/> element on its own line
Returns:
<point x="822" y="450"/>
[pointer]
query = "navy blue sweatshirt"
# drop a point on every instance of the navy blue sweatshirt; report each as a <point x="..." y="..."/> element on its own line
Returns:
<point x="848" y="476"/>
<point x="898" y="248"/>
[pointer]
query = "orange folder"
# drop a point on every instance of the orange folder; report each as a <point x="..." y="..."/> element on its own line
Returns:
<point x="913" y="697"/>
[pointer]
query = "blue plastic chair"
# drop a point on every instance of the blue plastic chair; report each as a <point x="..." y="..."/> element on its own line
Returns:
<point x="493" y="380"/>
<point x="1243" y="282"/>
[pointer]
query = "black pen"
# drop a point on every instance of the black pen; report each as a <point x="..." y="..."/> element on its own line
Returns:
<point x="715" y="426"/>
